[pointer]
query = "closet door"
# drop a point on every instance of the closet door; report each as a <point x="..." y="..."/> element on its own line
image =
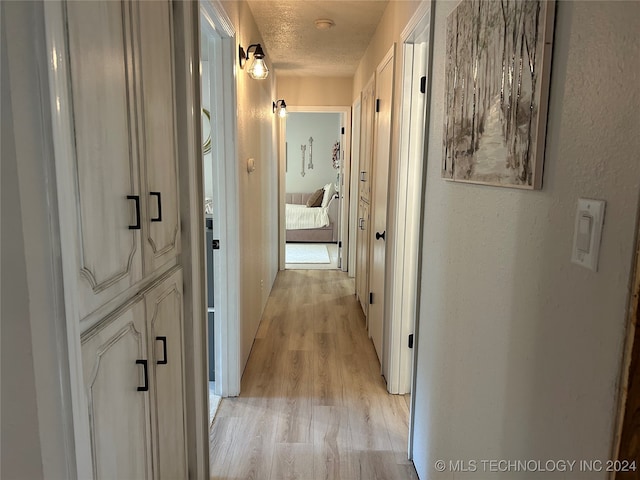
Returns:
<point x="118" y="411"/>
<point x="103" y="168"/>
<point x="165" y="325"/>
<point x="159" y="166"/>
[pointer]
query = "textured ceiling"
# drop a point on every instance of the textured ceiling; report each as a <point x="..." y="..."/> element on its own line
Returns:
<point x="294" y="45"/>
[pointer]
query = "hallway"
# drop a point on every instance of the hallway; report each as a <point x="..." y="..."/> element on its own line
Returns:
<point x="313" y="404"/>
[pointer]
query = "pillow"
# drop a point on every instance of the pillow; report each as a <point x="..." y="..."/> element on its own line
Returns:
<point x="329" y="191"/>
<point x="315" y="200"/>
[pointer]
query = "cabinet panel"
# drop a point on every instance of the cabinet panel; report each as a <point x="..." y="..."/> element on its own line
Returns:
<point x="160" y="166"/>
<point x="366" y="139"/>
<point x="362" y="256"/>
<point x="105" y="164"/>
<point x="165" y="323"/>
<point x="118" y="412"/>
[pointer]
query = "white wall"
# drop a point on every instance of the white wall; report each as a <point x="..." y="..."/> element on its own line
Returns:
<point x="325" y="130"/>
<point x="257" y="190"/>
<point x="519" y="350"/>
<point x="315" y="91"/>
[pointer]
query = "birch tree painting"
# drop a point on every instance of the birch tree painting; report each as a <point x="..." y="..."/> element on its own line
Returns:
<point x="498" y="56"/>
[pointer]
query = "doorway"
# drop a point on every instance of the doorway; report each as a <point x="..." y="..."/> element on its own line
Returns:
<point x="314" y="170"/>
<point x="404" y="272"/>
<point x="221" y="234"/>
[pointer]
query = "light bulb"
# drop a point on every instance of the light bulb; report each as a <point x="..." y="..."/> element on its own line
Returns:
<point x="283" y="112"/>
<point x="258" y="69"/>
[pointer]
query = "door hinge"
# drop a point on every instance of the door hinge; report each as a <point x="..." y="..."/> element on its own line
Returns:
<point x="342" y="131"/>
<point x="377" y="105"/>
<point x="370" y="298"/>
<point x="411" y="340"/>
<point x="340" y="244"/>
<point x="423" y="84"/>
<point x="215" y="244"/>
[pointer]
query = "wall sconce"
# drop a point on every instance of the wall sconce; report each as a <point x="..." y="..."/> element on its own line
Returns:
<point x="258" y="70"/>
<point x="282" y="106"/>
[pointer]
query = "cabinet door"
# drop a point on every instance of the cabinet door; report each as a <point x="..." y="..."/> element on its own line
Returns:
<point x="103" y="169"/>
<point x="362" y="256"/>
<point x="165" y="325"/>
<point x="118" y="412"/>
<point x="159" y="166"/>
<point x="366" y="139"/>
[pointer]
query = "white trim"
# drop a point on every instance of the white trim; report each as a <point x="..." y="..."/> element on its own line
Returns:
<point x="227" y="325"/>
<point x="387" y="332"/>
<point x="61" y="112"/>
<point x="428" y="58"/>
<point x="416" y="19"/>
<point x="403" y="291"/>
<point x="187" y="41"/>
<point x="34" y="152"/>
<point x="356" y="123"/>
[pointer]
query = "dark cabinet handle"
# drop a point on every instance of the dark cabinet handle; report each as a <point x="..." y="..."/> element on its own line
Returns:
<point x="135" y="198"/>
<point x="159" y="198"/>
<point x="164" y="350"/>
<point x="380" y="235"/>
<point x="145" y="387"/>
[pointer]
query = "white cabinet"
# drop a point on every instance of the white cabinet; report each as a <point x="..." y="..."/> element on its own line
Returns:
<point x="165" y="326"/>
<point x="113" y="106"/>
<point x="134" y="381"/>
<point x="122" y="169"/>
<point x="362" y="256"/>
<point x="119" y="416"/>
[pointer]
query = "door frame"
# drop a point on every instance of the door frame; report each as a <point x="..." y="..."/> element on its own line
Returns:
<point x="403" y="291"/>
<point x="345" y="179"/>
<point x="356" y="124"/>
<point x="631" y="348"/>
<point x="226" y="196"/>
<point x="389" y="60"/>
<point x="425" y="8"/>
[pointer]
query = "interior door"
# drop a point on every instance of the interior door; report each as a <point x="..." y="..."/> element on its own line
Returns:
<point x="160" y="165"/>
<point x="364" y="181"/>
<point x="381" y="159"/>
<point x="118" y="410"/>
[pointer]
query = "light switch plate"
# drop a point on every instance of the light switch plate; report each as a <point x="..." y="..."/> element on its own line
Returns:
<point x="588" y="232"/>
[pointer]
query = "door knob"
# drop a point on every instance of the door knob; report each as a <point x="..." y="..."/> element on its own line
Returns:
<point x="380" y="235"/>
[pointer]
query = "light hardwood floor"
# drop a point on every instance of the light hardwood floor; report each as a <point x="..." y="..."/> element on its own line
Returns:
<point x="313" y="403"/>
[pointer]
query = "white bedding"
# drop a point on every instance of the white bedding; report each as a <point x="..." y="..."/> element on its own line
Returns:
<point x="299" y="217"/>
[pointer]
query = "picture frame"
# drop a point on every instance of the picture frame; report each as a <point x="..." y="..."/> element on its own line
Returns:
<point x="497" y="72"/>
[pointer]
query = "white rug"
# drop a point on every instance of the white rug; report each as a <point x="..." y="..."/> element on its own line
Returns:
<point x="306" y="253"/>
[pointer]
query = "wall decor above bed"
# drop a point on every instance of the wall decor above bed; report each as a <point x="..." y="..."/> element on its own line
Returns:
<point x="498" y="58"/>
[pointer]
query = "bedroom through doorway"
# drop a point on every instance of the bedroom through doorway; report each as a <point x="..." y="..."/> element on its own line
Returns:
<point x="313" y="180"/>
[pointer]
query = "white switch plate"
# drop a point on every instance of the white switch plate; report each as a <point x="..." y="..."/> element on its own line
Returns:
<point x="588" y="232"/>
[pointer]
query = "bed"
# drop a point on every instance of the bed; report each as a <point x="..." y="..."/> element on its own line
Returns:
<point x="310" y="224"/>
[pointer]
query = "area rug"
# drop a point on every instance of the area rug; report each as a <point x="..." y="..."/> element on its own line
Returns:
<point x="306" y="253"/>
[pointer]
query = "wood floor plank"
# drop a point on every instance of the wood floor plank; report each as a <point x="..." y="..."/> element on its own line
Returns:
<point x="294" y="425"/>
<point x="313" y="403"/>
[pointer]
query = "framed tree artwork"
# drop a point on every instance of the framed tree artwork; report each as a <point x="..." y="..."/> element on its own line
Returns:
<point x="498" y="62"/>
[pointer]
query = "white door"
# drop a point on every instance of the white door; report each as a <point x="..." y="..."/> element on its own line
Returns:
<point x="381" y="159"/>
<point x="116" y="384"/>
<point x="364" y="189"/>
<point x="104" y="210"/>
<point x="160" y="166"/>
<point x="166" y="363"/>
